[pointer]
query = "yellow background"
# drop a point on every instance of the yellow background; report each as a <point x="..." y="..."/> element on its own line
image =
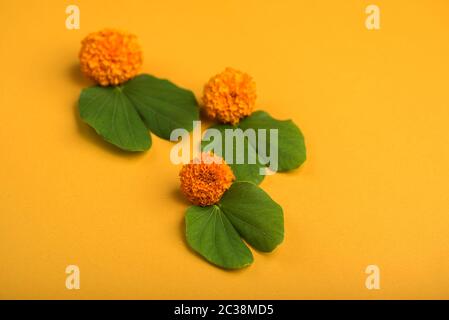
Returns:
<point x="373" y="106"/>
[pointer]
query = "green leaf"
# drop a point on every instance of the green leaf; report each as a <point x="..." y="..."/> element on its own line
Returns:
<point x="256" y="217"/>
<point x="245" y="211"/>
<point x="162" y="105"/>
<point x="123" y="115"/>
<point x="291" y="146"/>
<point x="210" y="233"/>
<point x="112" y="115"/>
<point x="243" y="171"/>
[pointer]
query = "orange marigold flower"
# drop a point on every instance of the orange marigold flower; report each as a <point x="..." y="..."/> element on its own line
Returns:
<point x="110" y="57"/>
<point x="204" y="181"/>
<point x="229" y="96"/>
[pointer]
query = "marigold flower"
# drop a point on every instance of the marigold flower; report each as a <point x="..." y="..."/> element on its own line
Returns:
<point x="204" y="181"/>
<point x="110" y="57"/>
<point x="229" y="96"/>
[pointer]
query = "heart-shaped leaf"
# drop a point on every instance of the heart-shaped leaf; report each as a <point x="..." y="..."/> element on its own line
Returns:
<point x="256" y="217"/>
<point x="123" y="115"/>
<point x="210" y="233"/>
<point x="112" y="115"/>
<point x="162" y="105"/>
<point x="290" y="145"/>
<point x="244" y="170"/>
<point x="244" y="211"/>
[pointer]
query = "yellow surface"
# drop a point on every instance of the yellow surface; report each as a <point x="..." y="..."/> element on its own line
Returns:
<point x="373" y="106"/>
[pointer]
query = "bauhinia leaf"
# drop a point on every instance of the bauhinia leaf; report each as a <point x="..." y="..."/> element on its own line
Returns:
<point x="210" y="233"/>
<point x="291" y="146"/>
<point x="112" y="115"/>
<point x="123" y="115"/>
<point x="162" y="105"/>
<point x="244" y="211"/>
<point x="256" y="217"/>
<point x="245" y="171"/>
